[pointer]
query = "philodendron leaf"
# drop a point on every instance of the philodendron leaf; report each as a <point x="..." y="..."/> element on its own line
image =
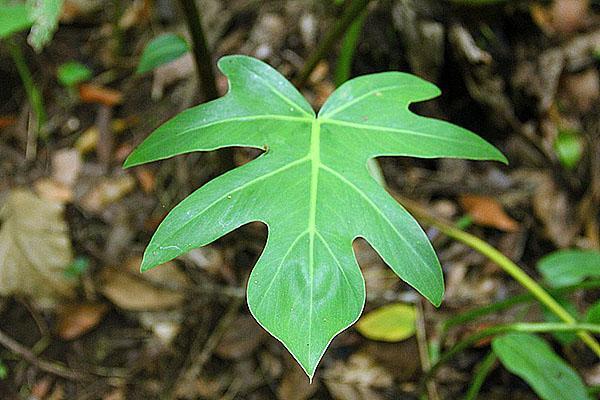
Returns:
<point x="532" y="359"/>
<point x="161" y="50"/>
<point x="311" y="187"/>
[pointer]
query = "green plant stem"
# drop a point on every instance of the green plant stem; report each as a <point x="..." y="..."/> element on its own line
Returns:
<point x="33" y="94"/>
<point x="497" y="329"/>
<point x="351" y="13"/>
<point x="483" y="370"/>
<point x="200" y="51"/>
<point x="471" y="315"/>
<point x="343" y="69"/>
<point x="506" y="264"/>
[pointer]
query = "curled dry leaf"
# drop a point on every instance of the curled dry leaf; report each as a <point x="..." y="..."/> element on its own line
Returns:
<point x="35" y="248"/>
<point x="487" y="211"/>
<point x="89" y="93"/>
<point x="74" y="320"/>
<point x="159" y="289"/>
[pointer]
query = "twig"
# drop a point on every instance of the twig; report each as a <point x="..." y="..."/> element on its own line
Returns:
<point x="353" y="11"/>
<point x="200" y="51"/>
<point x="47" y="366"/>
<point x="198" y="361"/>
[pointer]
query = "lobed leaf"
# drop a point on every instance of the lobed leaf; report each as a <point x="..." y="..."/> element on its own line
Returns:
<point x="312" y="189"/>
<point x="532" y="359"/>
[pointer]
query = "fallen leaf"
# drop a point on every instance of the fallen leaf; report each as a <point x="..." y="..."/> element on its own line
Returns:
<point x="87" y="141"/>
<point x="89" y="93"/>
<point x="294" y="385"/>
<point x="133" y="291"/>
<point x="357" y="379"/>
<point x="35" y="249"/>
<point x="74" y="320"/>
<point x="389" y="323"/>
<point x="107" y="192"/>
<point x="66" y="166"/>
<point x="53" y="191"/>
<point x="7" y="121"/>
<point x="242" y="341"/>
<point x="487" y="211"/>
<point x="552" y="207"/>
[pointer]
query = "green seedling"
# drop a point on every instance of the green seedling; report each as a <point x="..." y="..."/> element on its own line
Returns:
<point x="312" y="189"/>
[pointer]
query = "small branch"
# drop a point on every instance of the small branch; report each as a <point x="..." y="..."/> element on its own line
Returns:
<point x="47" y="366"/>
<point x="352" y="12"/>
<point x="200" y="51"/>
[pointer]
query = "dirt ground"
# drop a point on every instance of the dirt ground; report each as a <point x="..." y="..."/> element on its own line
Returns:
<point x="518" y="73"/>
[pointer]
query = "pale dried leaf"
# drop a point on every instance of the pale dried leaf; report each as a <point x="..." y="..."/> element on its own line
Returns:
<point x="35" y="248"/>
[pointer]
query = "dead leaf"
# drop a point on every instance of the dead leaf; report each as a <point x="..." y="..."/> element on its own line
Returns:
<point x="294" y="385"/>
<point x="7" y="121"/>
<point x="53" y="191"/>
<point x="158" y="289"/>
<point x="74" y="320"/>
<point x="552" y="206"/>
<point x="357" y="379"/>
<point x="87" y="141"/>
<point x="487" y="211"/>
<point x="89" y="93"/>
<point x="66" y="166"/>
<point x="107" y="192"/>
<point x="242" y="341"/>
<point x="35" y="249"/>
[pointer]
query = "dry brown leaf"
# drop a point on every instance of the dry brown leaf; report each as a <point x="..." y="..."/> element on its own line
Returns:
<point x="35" y="248"/>
<point x="552" y="206"/>
<point x="357" y="379"/>
<point x="74" y="320"/>
<point x="107" y="192"/>
<point x="294" y="385"/>
<point x="7" y="121"/>
<point x="89" y="93"/>
<point x="133" y="291"/>
<point x="51" y="190"/>
<point x="242" y="341"/>
<point x="66" y="166"/>
<point x="487" y="211"/>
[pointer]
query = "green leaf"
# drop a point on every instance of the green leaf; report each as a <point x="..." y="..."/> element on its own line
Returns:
<point x="569" y="267"/>
<point x="593" y="314"/>
<point x="569" y="148"/>
<point x="532" y="359"/>
<point x="390" y="323"/>
<point x="565" y="338"/>
<point x="72" y="73"/>
<point x="14" y="19"/>
<point x="312" y="189"/>
<point x="3" y="371"/>
<point x="162" y="50"/>
<point x="45" y="14"/>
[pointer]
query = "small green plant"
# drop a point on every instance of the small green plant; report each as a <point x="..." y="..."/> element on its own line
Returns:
<point x="519" y="348"/>
<point x="72" y="73"/>
<point x="162" y="50"/>
<point x="312" y="188"/>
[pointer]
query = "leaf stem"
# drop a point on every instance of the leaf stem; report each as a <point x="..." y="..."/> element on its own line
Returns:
<point x="33" y="94"/>
<point x="200" y="51"/>
<point x="505" y="263"/>
<point x="483" y="370"/>
<point x="351" y="13"/>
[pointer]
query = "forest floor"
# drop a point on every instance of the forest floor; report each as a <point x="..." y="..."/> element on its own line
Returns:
<point x="520" y="74"/>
